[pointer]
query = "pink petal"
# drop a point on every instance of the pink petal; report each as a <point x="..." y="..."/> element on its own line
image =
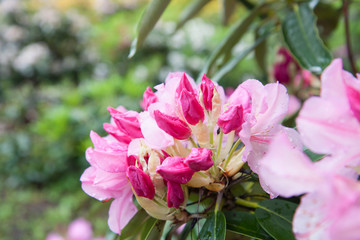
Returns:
<point x="121" y="211"/>
<point x="286" y="170"/>
<point x="199" y="159"/>
<point x="140" y="182"/>
<point x="155" y="137"/>
<point x="191" y="108"/>
<point x="149" y="98"/>
<point x="103" y="185"/>
<point x="174" y="169"/>
<point x="207" y="88"/>
<point x="231" y="119"/>
<point x="108" y="161"/>
<point x="172" y="125"/>
<point x="326" y="126"/>
<point x="175" y="195"/>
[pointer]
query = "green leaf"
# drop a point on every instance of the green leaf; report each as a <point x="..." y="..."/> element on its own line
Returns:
<point x="313" y="156"/>
<point x="190" y="11"/>
<point x="275" y="217"/>
<point x="147" y="22"/>
<point x="214" y="227"/>
<point x="228" y="7"/>
<point x="152" y="229"/>
<point x="188" y="228"/>
<point x="301" y="35"/>
<point x="134" y="225"/>
<point x="235" y="34"/>
<point x="236" y="60"/>
<point x="261" y="51"/>
<point x="245" y="223"/>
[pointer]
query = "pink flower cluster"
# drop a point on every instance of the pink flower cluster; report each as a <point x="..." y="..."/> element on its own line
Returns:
<point x="187" y="136"/>
<point x="329" y="125"/>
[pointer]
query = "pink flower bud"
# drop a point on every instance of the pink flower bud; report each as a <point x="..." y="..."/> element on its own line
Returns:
<point x="149" y="97"/>
<point x="117" y="133"/>
<point x="191" y="108"/>
<point x="174" y="169"/>
<point x="354" y="100"/>
<point x="127" y="122"/>
<point x="207" y="88"/>
<point x="199" y="159"/>
<point x="172" y="125"/>
<point x="131" y="160"/>
<point x="140" y="182"/>
<point x="231" y="119"/>
<point x="175" y="195"/>
<point x="184" y="84"/>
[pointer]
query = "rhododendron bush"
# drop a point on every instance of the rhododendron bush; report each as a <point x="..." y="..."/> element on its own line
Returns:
<point x="194" y="145"/>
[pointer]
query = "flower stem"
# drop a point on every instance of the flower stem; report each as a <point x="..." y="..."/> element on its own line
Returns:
<point x="219" y="144"/>
<point x="231" y="152"/>
<point x="218" y="201"/>
<point x="193" y="142"/>
<point x="246" y="203"/>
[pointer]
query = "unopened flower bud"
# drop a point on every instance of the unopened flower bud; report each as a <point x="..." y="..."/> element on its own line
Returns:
<point x="174" y="169"/>
<point x="207" y="89"/>
<point x="116" y="133"/>
<point x="199" y="159"/>
<point x="173" y="126"/>
<point x="140" y="182"/>
<point x="215" y="187"/>
<point x="231" y="119"/>
<point x="184" y="84"/>
<point x="175" y="195"/>
<point x="149" y="97"/>
<point x="191" y="108"/>
<point x="127" y="122"/>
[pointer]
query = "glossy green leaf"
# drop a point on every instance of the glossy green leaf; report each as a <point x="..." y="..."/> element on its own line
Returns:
<point x="147" y="22"/>
<point x="191" y="11"/>
<point x="301" y="35"/>
<point x="214" y="227"/>
<point x="134" y="225"/>
<point x="235" y="34"/>
<point x="275" y="217"/>
<point x="236" y="60"/>
<point x="245" y="223"/>
<point x="188" y="228"/>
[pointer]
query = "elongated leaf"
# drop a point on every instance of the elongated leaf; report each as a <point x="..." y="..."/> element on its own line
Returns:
<point x="235" y="34"/>
<point x="228" y="7"/>
<point x="188" y="228"/>
<point x="134" y="225"/>
<point x="152" y="229"/>
<point x="214" y="227"/>
<point x="261" y="51"/>
<point x="235" y="61"/>
<point x="147" y="23"/>
<point x="275" y="216"/>
<point x="190" y="11"/>
<point x="245" y="223"/>
<point x="301" y="35"/>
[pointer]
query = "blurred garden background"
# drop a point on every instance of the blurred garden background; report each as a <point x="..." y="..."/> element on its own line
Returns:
<point x="63" y="62"/>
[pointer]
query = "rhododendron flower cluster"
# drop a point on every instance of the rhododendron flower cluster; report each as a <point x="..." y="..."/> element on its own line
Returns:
<point x="193" y="136"/>
<point x="188" y="136"/>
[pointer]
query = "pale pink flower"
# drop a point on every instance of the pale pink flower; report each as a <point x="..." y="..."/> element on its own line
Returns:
<point x="269" y="105"/>
<point x="329" y="124"/>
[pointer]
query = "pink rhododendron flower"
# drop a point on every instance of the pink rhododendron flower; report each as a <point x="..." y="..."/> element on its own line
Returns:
<point x="329" y="124"/>
<point x="187" y="136"/>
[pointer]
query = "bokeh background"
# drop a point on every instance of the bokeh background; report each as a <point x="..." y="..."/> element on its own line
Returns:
<point x="63" y="62"/>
